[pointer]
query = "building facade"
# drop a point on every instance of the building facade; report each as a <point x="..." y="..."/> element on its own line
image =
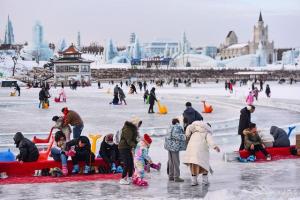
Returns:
<point x="70" y="67"/>
<point x="231" y="48"/>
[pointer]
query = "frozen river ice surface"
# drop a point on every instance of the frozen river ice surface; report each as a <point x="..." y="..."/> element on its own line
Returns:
<point x="231" y="180"/>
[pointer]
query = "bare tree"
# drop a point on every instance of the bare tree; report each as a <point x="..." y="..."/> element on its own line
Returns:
<point x="15" y="60"/>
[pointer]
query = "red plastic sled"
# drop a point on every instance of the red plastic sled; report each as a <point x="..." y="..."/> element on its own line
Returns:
<point x="275" y="152"/>
<point x="28" y="168"/>
<point x="56" y="99"/>
<point x="46" y="140"/>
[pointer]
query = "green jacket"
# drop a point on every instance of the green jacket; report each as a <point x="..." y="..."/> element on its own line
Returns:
<point x="128" y="136"/>
<point x="251" y="139"/>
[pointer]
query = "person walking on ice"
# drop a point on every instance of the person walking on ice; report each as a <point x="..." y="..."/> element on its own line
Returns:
<point x="199" y="135"/>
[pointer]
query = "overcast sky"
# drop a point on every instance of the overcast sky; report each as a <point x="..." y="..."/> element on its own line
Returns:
<point x="206" y="22"/>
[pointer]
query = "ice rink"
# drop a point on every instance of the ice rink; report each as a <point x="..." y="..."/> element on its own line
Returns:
<point x="231" y="180"/>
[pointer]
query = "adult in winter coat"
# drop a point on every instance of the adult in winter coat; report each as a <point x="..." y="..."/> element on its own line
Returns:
<point x="82" y="153"/>
<point x="59" y="124"/>
<point x="190" y="115"/>
<point x="197" y="151"/>
<point x="122" y="95"/>
<point x="116" y="90"/>
<point x="43" y="96"/>
<point x="18" y="89"/>
<point x="28" y="150"/>
<point x="58" y="152"/>
<point x="245" y="119"/>
<point x="127" y="144"/>
<point x="268" y="90"/>
<point x="253" y="142"/>
<point x="175" y="142"/>
<point x="281" y="138"/>
<point x="152" y="99"/>
<point x="71" y="117"/>
<point x="109" y="151"/>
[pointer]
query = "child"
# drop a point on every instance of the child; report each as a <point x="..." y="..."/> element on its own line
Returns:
<point x="109" y="152"/>
<point x="59" y="122"/>
<point x="253" y="142"/>
<point x="250" y="99"/>
<point x="83" y="153"/>
<point x="63" y="94"/>
<point x="175" y="141"/>
<point x="140" y="155"/>
<point x="28" y="150"/>
<point x="59" y="153"/>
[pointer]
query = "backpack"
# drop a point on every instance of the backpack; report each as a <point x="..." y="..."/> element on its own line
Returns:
<point x="117" y="137"/>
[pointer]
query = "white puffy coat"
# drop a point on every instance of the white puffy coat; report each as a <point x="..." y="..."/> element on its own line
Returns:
<point x="201" y="140"/>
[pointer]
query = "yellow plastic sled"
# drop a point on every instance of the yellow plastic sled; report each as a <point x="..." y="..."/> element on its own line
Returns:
<point x="162" y="109"/>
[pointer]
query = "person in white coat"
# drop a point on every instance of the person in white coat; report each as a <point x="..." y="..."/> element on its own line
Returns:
<point x="199" y="135"/>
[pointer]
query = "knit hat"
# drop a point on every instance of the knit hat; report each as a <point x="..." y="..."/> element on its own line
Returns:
<point x="136" y="121"/>
<point x="147" y="139"/>
<point x="109" y="138"/>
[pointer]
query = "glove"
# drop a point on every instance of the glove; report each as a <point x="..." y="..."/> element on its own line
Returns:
<point x="70" y="153"/>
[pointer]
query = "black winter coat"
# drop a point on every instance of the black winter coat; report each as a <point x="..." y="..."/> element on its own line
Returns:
<point x="281" y="138"/>
<point x="129" y="136"/>
<point x="245" y="119"/>
<point x="152" y="98"/>
<point x="42" y="95"/>
<point x="190" y="115"/>
<point x="110" y="153"/>
<point x="80" y="151"/>
<point x="28" y="150"/>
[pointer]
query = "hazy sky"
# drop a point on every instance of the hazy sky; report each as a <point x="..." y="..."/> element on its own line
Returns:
<point x="206" y="22"/>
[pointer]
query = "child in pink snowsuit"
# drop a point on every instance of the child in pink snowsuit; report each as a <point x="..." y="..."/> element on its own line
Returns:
<point x="250" y="99"/>
<point x="140" y="155"/>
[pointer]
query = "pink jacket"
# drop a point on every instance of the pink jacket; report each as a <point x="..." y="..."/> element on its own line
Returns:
<point x="250" y="99"/>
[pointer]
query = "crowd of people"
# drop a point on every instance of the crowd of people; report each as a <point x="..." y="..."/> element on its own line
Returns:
<point x="127" y="151"/>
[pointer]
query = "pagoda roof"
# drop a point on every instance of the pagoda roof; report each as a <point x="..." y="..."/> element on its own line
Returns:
<point x="70" y="51"/>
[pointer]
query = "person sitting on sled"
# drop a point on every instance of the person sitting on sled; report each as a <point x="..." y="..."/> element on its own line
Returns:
<point x="28" y="150"/>
<point x="59" y="153"/>
<point x="281" y="138"/>
<point x="253" y="142"/>
<point x="82" y="153"/>
<point x="59" y="124"/>
<point x="110" y="153"/>
<point x="140" y="155"/>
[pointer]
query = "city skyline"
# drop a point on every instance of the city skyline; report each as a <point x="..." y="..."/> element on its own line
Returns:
<point x="205" y="22"/>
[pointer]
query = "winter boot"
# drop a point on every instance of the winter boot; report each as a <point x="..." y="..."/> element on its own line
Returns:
<point x="205" y="179"/>
<point x="119" y="169"/>
<point x="75" y="169"/>
<point x="194" y="181"/>
<point x="141" y="182"/>
<point x="251" y="158"/>
<point x="156" y="166"/>
<point x="64" y="170"/>
<point x="87" y="169"/>
<point x="113" y="167"/>
<point x="147" y="168"/>
<point x="177" y="179"/>
<point x="124" y="181"/>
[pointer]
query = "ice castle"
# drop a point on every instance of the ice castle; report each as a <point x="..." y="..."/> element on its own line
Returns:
<point x="39" y="49"/>
<point x="9" y="37"/>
